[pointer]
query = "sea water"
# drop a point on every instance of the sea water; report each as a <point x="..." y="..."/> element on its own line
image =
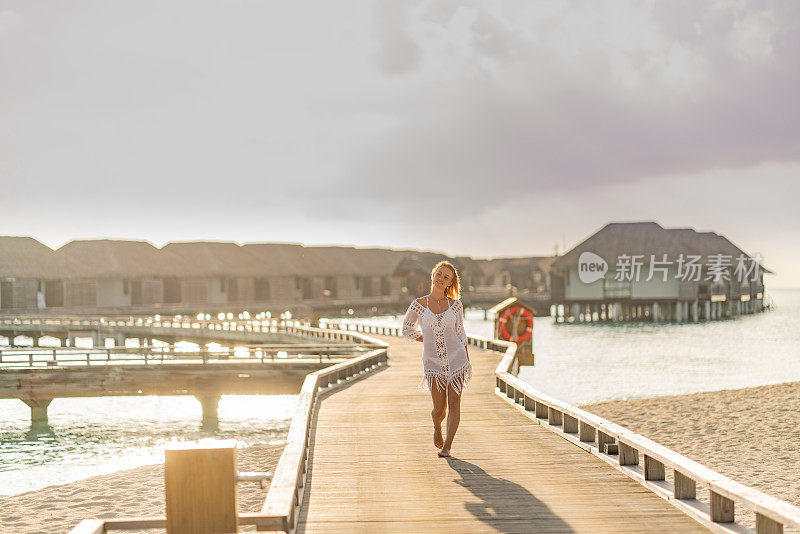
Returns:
<point x="578" y="363"/>
<point x="589" y="362"/>
<point x="98" y="435"/>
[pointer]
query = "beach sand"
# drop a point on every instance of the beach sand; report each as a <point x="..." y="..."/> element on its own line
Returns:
<point x="751" y="435"/>
<point x="133" y="492"/>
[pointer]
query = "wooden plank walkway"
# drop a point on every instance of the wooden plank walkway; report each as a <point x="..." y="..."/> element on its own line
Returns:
<point x="373" y="466"/>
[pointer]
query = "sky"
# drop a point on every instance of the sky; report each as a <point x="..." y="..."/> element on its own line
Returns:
<point x="472" y="128"/>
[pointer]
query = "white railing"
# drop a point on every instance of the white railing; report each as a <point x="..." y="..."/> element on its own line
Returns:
<point x="623" y="450"/>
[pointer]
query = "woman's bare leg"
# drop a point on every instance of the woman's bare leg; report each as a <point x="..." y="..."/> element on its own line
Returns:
<point x="439" y="397"/>
<point x="453" y="418"/>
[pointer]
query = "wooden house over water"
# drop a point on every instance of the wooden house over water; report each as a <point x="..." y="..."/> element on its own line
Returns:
<point x="529" y="276"/>
<point x="232" y="274"/>
<point x="114" y="274"/>
<point x="642" y="271"/>
<point x="361" y="272"/>
<point x="31" y="275"/>
<point x="305" y="271"/>
<point x="415" y="271"/>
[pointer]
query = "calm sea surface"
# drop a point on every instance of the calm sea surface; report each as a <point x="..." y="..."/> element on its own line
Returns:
<point x="583" y="363"/>
<point x="576" y="363"/>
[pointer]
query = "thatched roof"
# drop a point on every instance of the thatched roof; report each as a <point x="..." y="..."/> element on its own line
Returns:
<point x="225" y="258"/>
<point x="292" y="259"/>
<point x="24" y="257"/>
<point x="424" y="261"/>
<point x="646" y="238"/>
<point x="105" y="258"/>
<point x="520" y="266"/>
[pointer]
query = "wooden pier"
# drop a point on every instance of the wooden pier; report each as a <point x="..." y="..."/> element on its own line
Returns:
<point x="374" y="466"/>
<point x="359" y="457"/>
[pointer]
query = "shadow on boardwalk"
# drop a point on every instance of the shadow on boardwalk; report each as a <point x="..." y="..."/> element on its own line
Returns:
<point x="505" y="506"/>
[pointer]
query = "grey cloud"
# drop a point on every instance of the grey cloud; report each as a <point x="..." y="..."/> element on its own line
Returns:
<point x="397" y="51"/>
<point x="511" y="131"/>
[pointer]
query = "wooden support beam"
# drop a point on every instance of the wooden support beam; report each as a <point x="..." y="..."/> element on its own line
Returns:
<point x="210" y="403"/>
<point x="38" y="410"/>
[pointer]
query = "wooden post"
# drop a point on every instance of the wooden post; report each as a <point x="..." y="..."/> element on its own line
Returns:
<point x="210" y="403"/>
<point x="541" y="410"/>
<point x="685" y="487"/>
<point x="553" y="416"/>
<point x="585" y="432"/>
<point x="653" y="469"/>
<point x="200" y="488"/>
<point x="570" y="424"/>
<point x="528" y="403"/>
<point x="38" y="410"/>
<point x="722" y="508"/>
<point x="602" y="439"/>
<point x="765" y="525"/>
<point x="628" y="455"/>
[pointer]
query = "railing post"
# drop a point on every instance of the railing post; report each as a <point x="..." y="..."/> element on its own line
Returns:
<point x="765" y="525"/>
<point x="628" y="455"/>
<point x="553" y="416"/>
<point x="653" y="469"/>
<point x="570" y="424"/>
<point x="684" y="487"/>
<point x="585" y="432"/>
<point x="541" y="410"/>
<point x="722" y="508"/>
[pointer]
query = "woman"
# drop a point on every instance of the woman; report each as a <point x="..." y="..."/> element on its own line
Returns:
<point x="437" y="321"/>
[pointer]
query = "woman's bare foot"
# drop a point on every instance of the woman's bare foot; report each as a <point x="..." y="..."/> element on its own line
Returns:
<point x="444" y="453"/>
<point x="438" y="440"/>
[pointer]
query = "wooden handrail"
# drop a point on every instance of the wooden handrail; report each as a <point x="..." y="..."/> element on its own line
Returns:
<point x="281" y="505"/>
<point x="594" y="434"/>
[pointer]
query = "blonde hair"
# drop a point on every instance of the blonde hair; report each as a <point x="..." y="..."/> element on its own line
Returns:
<point x="454" y="289"/>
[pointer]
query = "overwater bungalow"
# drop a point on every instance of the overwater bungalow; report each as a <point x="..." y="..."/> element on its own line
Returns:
<point x="642" y="271"/>
<point x="120" y="274"/>
<point x="361" y="273"/>
<point x="527" y="275"/>
<point x="232" y="274"/>
<point x="415" y="271"/>
<point x="31" y="276"/>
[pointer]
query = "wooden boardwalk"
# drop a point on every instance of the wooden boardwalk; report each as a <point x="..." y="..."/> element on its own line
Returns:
<point x="374" y="467"/>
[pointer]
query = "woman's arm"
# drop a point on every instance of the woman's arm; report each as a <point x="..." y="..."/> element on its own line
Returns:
<point x="410" y="329"/>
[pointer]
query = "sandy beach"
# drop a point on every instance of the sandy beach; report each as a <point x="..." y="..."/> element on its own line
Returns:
<point x="132" y="492"/>
<point x="750" y="435"/>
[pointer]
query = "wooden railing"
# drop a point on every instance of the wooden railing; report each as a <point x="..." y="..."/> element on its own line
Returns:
<point x="624" y="450"/>
<point x="285" y="495"/>
<point x="39" y="357"/>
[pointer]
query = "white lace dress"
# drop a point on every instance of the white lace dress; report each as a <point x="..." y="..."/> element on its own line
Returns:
<point x="444" y="352"/>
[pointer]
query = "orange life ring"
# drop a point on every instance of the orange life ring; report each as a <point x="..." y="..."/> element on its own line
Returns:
<point x="522" y="313"/>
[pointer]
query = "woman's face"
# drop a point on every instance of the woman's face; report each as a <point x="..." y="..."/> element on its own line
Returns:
<point x="443" y="277"/>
